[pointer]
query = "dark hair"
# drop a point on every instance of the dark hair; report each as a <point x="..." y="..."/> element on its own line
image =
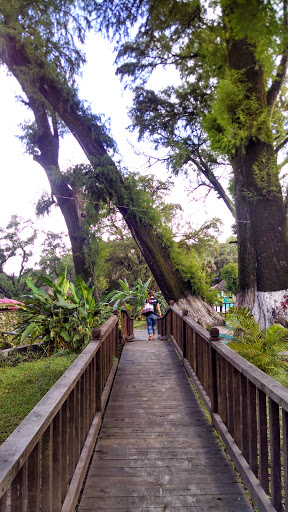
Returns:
<point x="151" y="294"/>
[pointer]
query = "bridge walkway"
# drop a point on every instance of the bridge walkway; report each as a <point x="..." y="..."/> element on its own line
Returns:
<point x="157" y="450"/>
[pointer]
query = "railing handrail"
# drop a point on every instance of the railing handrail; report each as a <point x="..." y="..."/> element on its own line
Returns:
<point x="270" y="386"/>
<point x="267" y="384"/>
<point x="17" y="448"/>
<point x="127" y="324"/>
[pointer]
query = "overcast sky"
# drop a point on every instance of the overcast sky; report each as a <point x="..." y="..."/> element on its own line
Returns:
<point x="23" y="181"/>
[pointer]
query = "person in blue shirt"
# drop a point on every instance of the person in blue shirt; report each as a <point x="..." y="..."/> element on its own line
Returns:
<point x="152" y="317"/>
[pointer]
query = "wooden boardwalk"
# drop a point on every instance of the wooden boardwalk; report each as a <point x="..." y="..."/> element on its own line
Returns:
<point x="156" y="450"/>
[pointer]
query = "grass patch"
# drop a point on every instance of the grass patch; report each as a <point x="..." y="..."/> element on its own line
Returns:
<point x="140" y="324"/>
<point x="23" y="385"/>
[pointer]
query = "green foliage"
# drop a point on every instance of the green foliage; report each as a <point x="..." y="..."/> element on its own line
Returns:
<point x="62" y="317"/>
<point x="261" y="347"/>
<point x="265" y="172"/>
<point x="188" y="263"/>
<point x="134" y="298"/>
<point x="235" y="116"/>
<point x="7" y="320"/>
<point x="230" y="273"/>
<point x="209" y="108"/>
<point x="56" y="258"/>
<point x="44" y="204"/>
<point x="17" y="239"/>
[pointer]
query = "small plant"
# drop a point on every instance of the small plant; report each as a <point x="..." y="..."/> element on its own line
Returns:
<point x="133" y="298"/>
<point x="261" y="347"/>
<point x="61" y="317"/>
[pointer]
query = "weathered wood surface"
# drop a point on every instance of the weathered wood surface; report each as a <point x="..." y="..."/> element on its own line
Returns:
<point x="157" y="450"/>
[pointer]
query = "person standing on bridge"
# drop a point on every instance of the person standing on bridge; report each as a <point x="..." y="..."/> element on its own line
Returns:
<point x="152" y="316"/>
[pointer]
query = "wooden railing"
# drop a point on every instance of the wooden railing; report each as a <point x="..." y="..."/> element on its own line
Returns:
<point x="44" y="461"/>
<point x="248" y="408"/>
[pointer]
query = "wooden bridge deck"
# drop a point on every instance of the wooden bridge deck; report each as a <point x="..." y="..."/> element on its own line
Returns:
<point x="156" y="450"/>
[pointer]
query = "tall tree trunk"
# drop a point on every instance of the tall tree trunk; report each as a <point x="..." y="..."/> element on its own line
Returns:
<point x="90" y="136"/>
<point x="260" y="213"/>
<point x="68" y="200"/>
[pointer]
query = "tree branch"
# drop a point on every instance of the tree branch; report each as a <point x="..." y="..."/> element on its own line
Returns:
<point x="280" y="146"/>
<point x="281" y="71"/>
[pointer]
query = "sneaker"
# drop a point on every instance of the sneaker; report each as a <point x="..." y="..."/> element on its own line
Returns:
<point x="150" y="337"/>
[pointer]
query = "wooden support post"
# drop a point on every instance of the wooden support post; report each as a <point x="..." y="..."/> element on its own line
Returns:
<point x="123" y="323"/>
<point x="214" y="336"/>
<point x="33" y="479"/>
<point x="275" y="449"/>
<point x="116" y="346"/>
<point x="96" y="333"/>
<point x="57" y="458"/>
<point x="184" y="333"/>
<point x="171" y="303"/>
<point x="46" y="471"/>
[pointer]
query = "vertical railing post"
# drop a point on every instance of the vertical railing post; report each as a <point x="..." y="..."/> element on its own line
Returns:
<point x="171" y="303"/>
<point x="184" y="333"/>
<point x="116" y="346"/>
<point x="123" y="322"/>
<point x="96" y="336"/>
<point x="214" y="336"/>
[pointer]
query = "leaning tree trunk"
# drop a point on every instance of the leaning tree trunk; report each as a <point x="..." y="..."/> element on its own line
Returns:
<point x="166" y="275"/>
<point x="260" y="213"/>
<point x="90" y="136"/>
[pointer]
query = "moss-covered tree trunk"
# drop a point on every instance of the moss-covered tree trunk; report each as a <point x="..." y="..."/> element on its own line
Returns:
<point x="260" y="213"/>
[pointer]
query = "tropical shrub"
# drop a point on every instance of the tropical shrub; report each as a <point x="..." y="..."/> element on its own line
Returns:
<point x="230" y="274"/>
<point x="61" y="317"/>
<point x="262" y="347"/>
<point x="133" y="298"/>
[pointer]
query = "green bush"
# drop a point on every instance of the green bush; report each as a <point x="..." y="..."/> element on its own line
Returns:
<point x="230" y="274"/>
<point x="62" y="318"/>
<point x="260" y="347"/>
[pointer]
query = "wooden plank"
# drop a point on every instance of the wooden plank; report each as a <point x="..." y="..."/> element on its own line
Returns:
<point x="252" y="428"/>
<point x="57" y="461"/>
<point x="263" y="440"/>
<point x="18" y="496"/>
<point x="46" y="470"/>
<point x="233" y="502"/>
<point x="274" y="422"/>
<point x="244" y="417"/>
<point x="3" y="503"/>
<point x="285" y="451"/>
<point x="33" y="479"/>
<point x="237" y="407"/>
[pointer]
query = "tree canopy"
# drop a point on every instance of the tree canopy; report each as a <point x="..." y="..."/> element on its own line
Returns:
<point x="231" y="61"/>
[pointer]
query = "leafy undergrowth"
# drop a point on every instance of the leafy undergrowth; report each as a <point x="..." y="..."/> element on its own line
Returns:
<point x="23" y="385"/>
